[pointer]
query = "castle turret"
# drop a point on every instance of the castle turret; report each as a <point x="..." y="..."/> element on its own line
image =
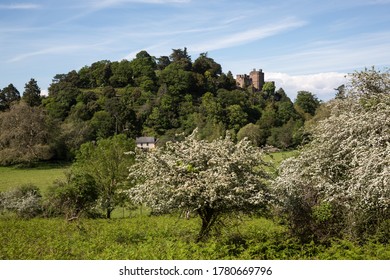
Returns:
<point x="257" y="78"/>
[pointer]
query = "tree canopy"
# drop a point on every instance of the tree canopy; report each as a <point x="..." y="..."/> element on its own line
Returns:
<point x="160" y="97"/>
<point x="208" y="178"/>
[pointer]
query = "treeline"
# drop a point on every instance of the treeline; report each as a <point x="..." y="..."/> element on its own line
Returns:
<point x="149" y="96"/>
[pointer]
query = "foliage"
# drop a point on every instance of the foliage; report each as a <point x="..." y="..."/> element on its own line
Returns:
<point x="107" y="163"/>
<point x="208" y="178"/>
<point x="252" y="132"/>
<point x="25" y="201"/>
<point x="307" y="101"/>
<point x="342" y="177"/>
<point x="157" y="97"/>
<point x="25" y="135"/>
<point x="32" y="93"/>
<point x="166" y="238"/>
<point x="8" y="95"/>
<point x="75" y="195"/>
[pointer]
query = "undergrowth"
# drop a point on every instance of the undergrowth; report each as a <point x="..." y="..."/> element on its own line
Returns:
<point x="165" y="238"/>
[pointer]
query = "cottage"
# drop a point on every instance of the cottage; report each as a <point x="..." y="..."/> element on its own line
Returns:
<point x="146" y="142"/>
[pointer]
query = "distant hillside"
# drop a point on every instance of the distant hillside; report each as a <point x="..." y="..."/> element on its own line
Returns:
<point x="162" y="97"/>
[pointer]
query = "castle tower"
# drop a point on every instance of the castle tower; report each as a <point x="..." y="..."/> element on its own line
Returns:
<point x="257" y="78"/>
<point x="243" y="80"/>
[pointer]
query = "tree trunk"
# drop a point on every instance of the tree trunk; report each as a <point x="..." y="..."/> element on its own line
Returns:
<point x="208" y="217"/>
<point x="108" y="213"/>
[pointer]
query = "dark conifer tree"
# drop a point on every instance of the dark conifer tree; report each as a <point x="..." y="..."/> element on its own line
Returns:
<point x="32" y="93"/>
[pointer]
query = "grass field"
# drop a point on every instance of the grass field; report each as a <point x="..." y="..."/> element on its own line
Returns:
<point x="44" y="175"/>
<point x="136" y="235"/>
<point x="165" y="238"/>
<point x="277" y="157"/>
<point x="41" y="176"/>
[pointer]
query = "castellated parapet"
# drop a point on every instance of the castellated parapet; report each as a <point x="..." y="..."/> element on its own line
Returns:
<point x="255" y="79"/>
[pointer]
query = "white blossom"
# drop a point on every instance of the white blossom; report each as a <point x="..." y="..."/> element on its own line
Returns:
<point x="218" y="176"/>
<point x="348" y="160"/>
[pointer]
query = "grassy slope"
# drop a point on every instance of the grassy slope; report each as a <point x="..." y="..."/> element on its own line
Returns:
<point x="42" y="176"/>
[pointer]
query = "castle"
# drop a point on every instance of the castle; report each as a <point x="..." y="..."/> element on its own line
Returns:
<point x="255" y="79"/>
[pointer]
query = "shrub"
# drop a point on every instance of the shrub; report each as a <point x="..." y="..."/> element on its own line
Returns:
<point x="74" y="196"/>
<point x="341" y="179"/>
<point x="25" y="201"/>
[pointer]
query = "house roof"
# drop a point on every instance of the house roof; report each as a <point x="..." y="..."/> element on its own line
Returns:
<point x="140" y="140"/>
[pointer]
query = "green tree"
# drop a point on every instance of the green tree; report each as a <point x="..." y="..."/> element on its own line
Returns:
<point x="144" y="67"/>
<point x="307" y="101"/>
<point x="107" y="162"/>
<point x="252" y="132"/>
<point x="181" y="58"/>
<point x="268" y="90"/>
<point x="236" y="117"/>
<point x="32" y="93"/>
<point x="101" y="73"/>
<point x="178" y="81"/>
<point x="72" y="197"/>
<point x="286" y="136"/>
<point x="8" y="95"/>
<point x="204" y="63"/>
<point x="122" y="74"/>
<point x="102" y="124"/>
<point x="163" y="62"/>
<point x="203" y="177"/>
<point x="25" y="135"/>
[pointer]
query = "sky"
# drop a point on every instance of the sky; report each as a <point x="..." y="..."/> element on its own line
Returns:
<point x="299" y="44"/>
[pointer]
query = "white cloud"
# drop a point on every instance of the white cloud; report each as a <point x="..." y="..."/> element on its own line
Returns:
<point x="19" y="6"/>
<point x="44" y="92"/>
<point x="321" y="84"/>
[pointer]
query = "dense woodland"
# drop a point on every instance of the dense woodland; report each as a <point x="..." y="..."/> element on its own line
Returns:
<point x="161" y="97"/>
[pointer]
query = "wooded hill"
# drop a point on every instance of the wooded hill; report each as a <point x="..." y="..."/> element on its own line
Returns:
<point x="148" y="96"/>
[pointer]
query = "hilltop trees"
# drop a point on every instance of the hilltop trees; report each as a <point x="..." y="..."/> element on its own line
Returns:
<point x="209" y="178"/>
<point x="307" y="102"/>
<point x="158" y="97"/>
<point x="8" y="95"/>
<point x="32" y="93"/>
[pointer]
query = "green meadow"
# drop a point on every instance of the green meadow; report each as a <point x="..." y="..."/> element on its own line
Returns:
<point x="168" y="237"/>
<point x="41" y="176"/>
<point x="136" y="235"/>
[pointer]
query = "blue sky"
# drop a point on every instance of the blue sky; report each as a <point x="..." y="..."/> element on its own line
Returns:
<point x="300" y="44"/>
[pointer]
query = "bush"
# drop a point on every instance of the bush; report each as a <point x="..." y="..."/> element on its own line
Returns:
<point x="341" y="179"/>
<point x="25" y="201"/>
<point x="74" y="196"/>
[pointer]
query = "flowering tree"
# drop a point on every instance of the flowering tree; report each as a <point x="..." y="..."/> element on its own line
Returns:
<point x="341" y="180"/>
<point x="209" y="178"/>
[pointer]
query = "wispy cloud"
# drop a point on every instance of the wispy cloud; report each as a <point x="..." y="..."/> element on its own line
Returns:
<point x="243" y="37"/>
<point x="101" y="4"/>
<point x="19" y="6"/>
<point x="64" y="49"/>
<point x="346" y="54"/>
